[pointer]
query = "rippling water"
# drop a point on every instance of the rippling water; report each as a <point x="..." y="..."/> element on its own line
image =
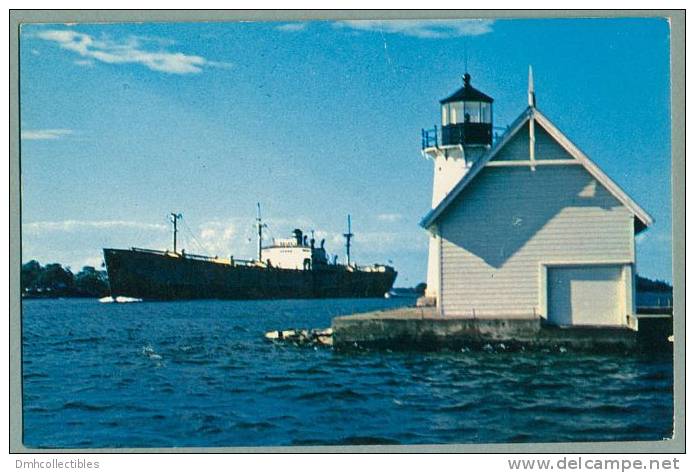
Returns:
<point x="201" y="374"/>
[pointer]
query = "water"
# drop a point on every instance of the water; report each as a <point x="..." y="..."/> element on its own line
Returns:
<point x="201" y="374"/>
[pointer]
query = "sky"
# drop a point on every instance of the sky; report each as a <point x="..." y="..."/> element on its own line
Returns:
<point x="122" y="124"/>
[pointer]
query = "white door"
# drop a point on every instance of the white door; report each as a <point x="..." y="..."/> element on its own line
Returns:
<point x="586" y="295"/>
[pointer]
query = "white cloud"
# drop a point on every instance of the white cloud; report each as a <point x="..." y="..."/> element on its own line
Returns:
<point x="237" y="237"/>
<point x="383" y="242"/>
<point x="129" y="51"/>
<point x="219" y="65"/>
<point x="36" y="228"/>
<point x="659" y="238"/>
<point x="422" y="28"/>
<point x="219" y="238"/>
<point x="389" y="217"/>
<point x="48" y="134"/>
<point x="292" y="27"/>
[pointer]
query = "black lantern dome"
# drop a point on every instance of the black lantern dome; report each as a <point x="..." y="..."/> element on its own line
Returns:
<point x="467" y="116"/>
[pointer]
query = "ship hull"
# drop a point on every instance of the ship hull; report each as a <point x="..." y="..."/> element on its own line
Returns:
<point x="156" y="276"/>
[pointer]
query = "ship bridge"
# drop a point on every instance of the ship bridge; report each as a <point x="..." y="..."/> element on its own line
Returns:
<point x="298" y="252"/>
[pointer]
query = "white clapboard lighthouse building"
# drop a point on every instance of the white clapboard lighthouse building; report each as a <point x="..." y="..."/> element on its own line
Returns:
<point x="527" y="226"/>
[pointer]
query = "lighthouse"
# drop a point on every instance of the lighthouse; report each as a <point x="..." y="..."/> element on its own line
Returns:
<point x="464" y="136"/>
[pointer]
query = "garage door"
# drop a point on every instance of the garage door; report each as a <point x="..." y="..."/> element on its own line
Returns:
<point x="586" y="295"/>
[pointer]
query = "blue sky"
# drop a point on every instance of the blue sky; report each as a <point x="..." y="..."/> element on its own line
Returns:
<point x="123" y="123"/>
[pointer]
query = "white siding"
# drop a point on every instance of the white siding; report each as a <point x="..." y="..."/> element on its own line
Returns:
<point x="518" y="147"/>
<point x="511" y="220"/>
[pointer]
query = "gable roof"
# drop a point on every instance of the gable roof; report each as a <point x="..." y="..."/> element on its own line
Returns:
<point x="643" y="219"/>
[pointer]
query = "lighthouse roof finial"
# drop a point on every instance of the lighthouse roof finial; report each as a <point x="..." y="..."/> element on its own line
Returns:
<point x="466" y="79"/>
<point x="531" y="91"/>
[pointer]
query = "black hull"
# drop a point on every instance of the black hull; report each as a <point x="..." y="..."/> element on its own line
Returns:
<point x="155" y="276"/>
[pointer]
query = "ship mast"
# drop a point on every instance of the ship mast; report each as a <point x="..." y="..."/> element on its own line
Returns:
<point x="174" y="220"/>
<point x="348" y="236"/>
<point x="259" y="227"/>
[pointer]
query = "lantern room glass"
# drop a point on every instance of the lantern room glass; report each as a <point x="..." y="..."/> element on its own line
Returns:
<point x="454" y="113"/>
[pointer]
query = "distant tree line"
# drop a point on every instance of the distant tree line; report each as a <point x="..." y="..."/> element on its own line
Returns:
<point x="649" y="285"/>
<point x="53" y="280"/>
<point x="417" y="290"/>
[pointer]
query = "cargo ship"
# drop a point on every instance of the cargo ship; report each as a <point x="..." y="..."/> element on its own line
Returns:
<point x="288" y="268"/>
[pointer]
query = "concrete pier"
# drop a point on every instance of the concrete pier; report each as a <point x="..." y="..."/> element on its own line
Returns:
<point x="421" y="328"/>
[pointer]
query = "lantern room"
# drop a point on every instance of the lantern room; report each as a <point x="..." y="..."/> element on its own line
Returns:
<point x="467" y="117"/>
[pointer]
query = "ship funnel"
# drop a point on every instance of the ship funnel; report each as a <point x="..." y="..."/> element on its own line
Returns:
<point x="298" y="236"/>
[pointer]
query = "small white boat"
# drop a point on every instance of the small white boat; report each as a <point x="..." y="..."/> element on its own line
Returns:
<point x="119" y="299"/>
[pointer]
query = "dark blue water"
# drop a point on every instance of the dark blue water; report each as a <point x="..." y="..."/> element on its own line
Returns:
<point x="201" y="374"/>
